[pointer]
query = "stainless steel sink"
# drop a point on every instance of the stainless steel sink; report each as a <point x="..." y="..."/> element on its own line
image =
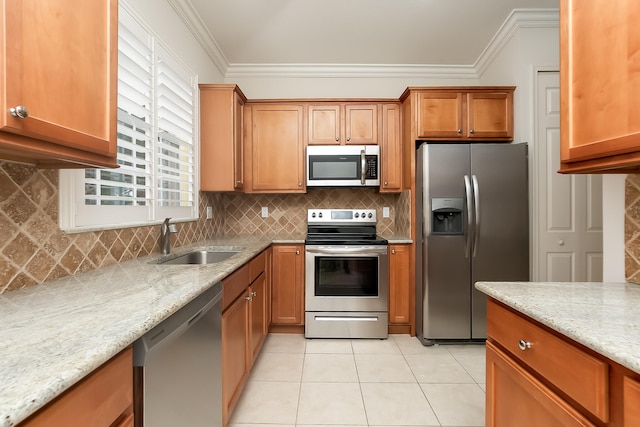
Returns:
<point x="208" y="256"/>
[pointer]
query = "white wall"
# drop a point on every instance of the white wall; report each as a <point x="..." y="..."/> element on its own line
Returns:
<point x="613" y="227"/>
<point x="166" y="24"/>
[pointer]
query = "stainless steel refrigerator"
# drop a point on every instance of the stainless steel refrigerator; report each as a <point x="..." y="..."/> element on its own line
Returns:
<point x="473" y="218"/>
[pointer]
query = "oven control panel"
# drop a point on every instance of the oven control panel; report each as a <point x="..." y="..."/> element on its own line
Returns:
<point x="351" y="216"/>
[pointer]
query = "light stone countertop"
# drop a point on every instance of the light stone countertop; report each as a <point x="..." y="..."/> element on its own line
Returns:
<point x="604" y="317"/>
<point x="55" y="334"/>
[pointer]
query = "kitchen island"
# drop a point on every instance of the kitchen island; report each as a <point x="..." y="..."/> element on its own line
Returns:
<point x="563" y="353"/>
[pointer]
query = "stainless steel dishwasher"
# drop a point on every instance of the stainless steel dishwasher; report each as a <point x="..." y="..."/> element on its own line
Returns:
<point x="179" y="367"/>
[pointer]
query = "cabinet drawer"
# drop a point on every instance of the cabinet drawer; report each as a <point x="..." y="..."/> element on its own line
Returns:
<point x="234" y="285"/>
<point x="586" y="381"/>
<point x="103" y="398"/>
<point x="256" y="267"/>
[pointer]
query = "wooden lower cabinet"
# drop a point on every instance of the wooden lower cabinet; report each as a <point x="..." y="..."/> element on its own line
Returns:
<point x="235" y="353"/>
<point x="516" y="398"/>
<point x="399" y="289"/>
<point x="287" y="293"/>
<point x="539" y="377"/>
<point x="102" y="399"/>
<point x="244" y="326"/>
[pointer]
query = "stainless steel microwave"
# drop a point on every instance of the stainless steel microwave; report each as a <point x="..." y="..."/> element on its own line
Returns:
<point x="343" y="166"/>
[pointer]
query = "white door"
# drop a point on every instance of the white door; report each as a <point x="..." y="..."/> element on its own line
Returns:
<point x="568" y="229"/>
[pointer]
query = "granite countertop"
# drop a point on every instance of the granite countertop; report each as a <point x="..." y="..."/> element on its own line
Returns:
<point x="55" y="334"/>
<point x="604" y="317"/>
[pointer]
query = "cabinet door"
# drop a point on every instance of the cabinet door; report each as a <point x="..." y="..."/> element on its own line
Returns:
<point x="361" y="124"/>
<point x="490" y="115"/>
<point x="258" y="294"/>
<point x="235" y="352"/>
<point x="324" y="124"/>
<point x="399" y="292"/>
<point x="631" y="403"/>
<point x="221" y="138"/>
<point x="61" y="65"/>
<point x="287" y="292"/>
<point x="276" y="149"/>
<point x="516" y="398"/>
<point x="238" y="142"/>
<point x="391" y="150"/>
<point x="440" y="115"/>
<point x="599" y="106"/>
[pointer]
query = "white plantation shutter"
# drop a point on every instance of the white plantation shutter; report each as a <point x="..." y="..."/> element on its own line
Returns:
<point x="175" y="149"/>
<point x="156" y="150"/>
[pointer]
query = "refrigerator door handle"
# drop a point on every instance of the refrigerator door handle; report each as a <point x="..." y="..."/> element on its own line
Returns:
<point x="476" y="203"/>
<point x="468" y="194"/>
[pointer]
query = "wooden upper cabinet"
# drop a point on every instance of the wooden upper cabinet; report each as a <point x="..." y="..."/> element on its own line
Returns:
<point x="335" y="124"/>
<point x="274" y="146"/>
<point x="599" y="86"/>
<point x="59" y="82"/>
<point x="391" y="149"/>
<point x="465" y="114"/>
<point x="440" y="115"/>
<point x="221" y="138"/>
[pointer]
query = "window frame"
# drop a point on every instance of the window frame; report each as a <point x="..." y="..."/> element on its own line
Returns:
<point x="76" y="217"/>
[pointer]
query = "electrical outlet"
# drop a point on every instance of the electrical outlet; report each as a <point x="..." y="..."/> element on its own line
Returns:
<point x="209" y="212"/>
<point x="385" y="212"/>
<point x="265" y="212"/>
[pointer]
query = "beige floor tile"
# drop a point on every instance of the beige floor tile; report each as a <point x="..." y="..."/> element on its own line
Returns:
<point x="267" y="403"/>
<point x="331" y="403"/>
<point x="375" y="346"/>
<point x="329" y="346"/>
<point x="397" y="404"/>
<point x="278" y="367"/>
<point x="329" y="368"/>
<point x="474" y="365"/>
<point x="439" y="368"/>
<point x="383" y="368"/>
<point x="466" y="349"/>
<point x="456" y="404"/>
<point x="284" y="343"/>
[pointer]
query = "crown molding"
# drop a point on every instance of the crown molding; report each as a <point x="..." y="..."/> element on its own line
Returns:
<point x="187" y="13"/>
<point x="519" y="18"/>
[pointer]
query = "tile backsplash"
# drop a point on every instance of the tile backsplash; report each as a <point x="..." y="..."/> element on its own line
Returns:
<point x="33" y="249"/>
<point x="632" y="228"/>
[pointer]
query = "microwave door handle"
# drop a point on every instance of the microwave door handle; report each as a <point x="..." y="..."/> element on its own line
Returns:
<point x="363" y="167"/>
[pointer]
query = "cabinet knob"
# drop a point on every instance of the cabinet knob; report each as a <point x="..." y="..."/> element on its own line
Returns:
<point x="561" y="242"/>
<point x="238" y="182"/>
<point x="249" y="298"/>
<point x="337" y="138"/>
<point x="299" y="184"/>
<point x="386" y="183"/>
<point x="459" y="130"/>
<point x="393" y="251"/>
<point x="471" y="131"/>
<point x="523" y="345"/>
<point x="20" y="112"/>
<point x="348" y="138"/>
<point x="297" y="252"/>
<point x="254" y="293"/>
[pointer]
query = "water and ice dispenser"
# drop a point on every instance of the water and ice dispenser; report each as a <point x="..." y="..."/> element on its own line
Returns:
<point x="447" y="215"/>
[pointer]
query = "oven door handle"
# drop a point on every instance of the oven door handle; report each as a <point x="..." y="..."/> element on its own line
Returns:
<point x="349" y="251"/>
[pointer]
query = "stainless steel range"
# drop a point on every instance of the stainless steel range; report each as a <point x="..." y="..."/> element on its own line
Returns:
<point x="346" y="283"/>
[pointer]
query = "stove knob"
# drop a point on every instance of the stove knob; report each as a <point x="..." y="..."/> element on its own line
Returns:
<point x="313" y="215"/>
<point x="370" y="215"/>
<point x="320" y="215"/>
<point x="357" y="215"/>
<point x="364" y="215"/>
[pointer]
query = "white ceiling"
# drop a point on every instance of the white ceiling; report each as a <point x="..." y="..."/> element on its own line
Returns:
<point x="352" y="32"/>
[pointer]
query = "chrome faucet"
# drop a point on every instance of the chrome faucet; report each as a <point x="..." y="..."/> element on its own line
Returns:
<point x="165" y="236"/>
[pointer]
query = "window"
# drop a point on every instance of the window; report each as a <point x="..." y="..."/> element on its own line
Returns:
<point x="156" y="150"/>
